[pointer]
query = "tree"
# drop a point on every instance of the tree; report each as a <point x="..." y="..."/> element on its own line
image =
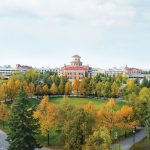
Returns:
<point x="144" y="95"/>
<point x="100" y="139"/>
<point x="45" y="89"/>
<point x="127" y="118"/>
<point x="67" y="88"/>
<point x="38" y="89"/>
<point x="83" y="87"/>
<point x="2" y="92"/>
<point x="61" y="88"/>
<point x="17" y="85"/>
<point x="92" y="86"/>
<point x="26" y="88"/>
<point x="31" y="89"/>
<point x="90" y="108"/>
<point x="3" y="113"/>
<point x="23" y="127"/>
<point x="75" y="125"/>
<point x="46" y="114"/>
<point x="108" y="117"/>
<point x="115" y="90"/>
<point x="75" y="86"/>
<point x="99" y="88"/>
<point x="54" y="89"/>
<point x="11" y="89"/>
<point x="147" y="122"/>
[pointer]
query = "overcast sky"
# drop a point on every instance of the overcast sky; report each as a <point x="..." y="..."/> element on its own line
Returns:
<point x="105" y="33"/>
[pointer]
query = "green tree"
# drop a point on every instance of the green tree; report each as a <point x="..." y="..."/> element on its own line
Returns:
<point x="23" y="127"/>
<point x="61" y="87"/>
<point x="75" y="126"/>
<point x="83" y="87"/>
<point x="100" y="139"/>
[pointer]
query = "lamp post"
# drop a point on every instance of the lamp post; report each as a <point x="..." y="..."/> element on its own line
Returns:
<point x="133" y="138"/>
<point x="116" y="137"/>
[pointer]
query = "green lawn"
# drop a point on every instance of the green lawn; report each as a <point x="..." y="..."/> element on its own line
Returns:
<point x="142" y="145"/>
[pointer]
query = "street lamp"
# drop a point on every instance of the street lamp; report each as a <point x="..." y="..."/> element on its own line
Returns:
<point x="133" y="138"/>
<point x="116" y="137"/>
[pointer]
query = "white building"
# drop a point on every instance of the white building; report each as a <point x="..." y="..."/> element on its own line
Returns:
<point x="45" y="69"/>
<point x="114" y="71"/>
<point x="6" y="71"/>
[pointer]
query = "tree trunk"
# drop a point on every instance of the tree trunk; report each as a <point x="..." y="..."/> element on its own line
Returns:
<point x="48" y="139"/>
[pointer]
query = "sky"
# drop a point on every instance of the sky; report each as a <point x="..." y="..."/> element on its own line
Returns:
<point x="105" y="33"/>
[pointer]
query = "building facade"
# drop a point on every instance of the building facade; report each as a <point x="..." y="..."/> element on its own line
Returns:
<point x="6" y="71"/>
<point x="76" y="70"/>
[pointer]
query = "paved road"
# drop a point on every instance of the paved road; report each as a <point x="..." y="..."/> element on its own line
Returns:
<point x="128" y="143"/>
<point x="4" y="144"/>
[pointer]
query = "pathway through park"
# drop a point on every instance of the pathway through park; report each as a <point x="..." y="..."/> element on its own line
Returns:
<point x="128" y="142"/>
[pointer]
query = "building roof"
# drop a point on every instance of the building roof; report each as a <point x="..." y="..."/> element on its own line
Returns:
<point x="85" y="68"/>
<point x="76" y="56"/>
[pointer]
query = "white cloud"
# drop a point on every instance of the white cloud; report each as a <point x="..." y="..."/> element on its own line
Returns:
<point x="89" y="12"/>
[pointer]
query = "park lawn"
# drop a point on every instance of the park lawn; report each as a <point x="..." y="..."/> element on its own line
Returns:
<point x="142" y="145"/>
<point x="98" y="102"/>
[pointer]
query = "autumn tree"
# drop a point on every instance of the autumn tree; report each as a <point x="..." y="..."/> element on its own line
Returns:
<point x="100" y="139"/>
<point x="54" y="89"/>
<point x="99" y="87"/>
<point x="2" y="92"/>
<point x="75" y="86"/>
<point x="115" y="90"/>
<point x="38" y="90"/>
<point x="26" y="88"/>
<point x="18" y="84"/>
<point x="46" y="114"/>
<point x="45" y="89"/>
<point x="3" y="113"/>
<point x="75" y="125"/>
<point x="127" y="120"/>
<point x="67" y="88"/>
<point x="83" y="87"/>
<point x="90" y="108"/>
<point x="31" y="89"/>
<point x="11" y="89"/>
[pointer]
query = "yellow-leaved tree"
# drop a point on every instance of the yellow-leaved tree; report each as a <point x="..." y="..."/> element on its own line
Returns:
<point x="108" y="117"/>
<point x="11" y="89"/>
<point x="31" y="89"/>
<point x="127" y="120"/>
<point x="54" y="89"/>
<point x="3" y="113"/>
<point x="45" y="89"/>
<point x="46" y="114"/>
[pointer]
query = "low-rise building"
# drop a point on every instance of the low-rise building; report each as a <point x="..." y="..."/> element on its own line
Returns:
<point x="114" y="71"/>
<point x="6" y="71"/>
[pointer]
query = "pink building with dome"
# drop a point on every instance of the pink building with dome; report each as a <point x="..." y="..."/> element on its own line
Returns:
<point x="76" y="70"/>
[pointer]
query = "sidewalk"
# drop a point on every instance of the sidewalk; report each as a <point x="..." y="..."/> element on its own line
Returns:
<point x="128" y="143"/>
